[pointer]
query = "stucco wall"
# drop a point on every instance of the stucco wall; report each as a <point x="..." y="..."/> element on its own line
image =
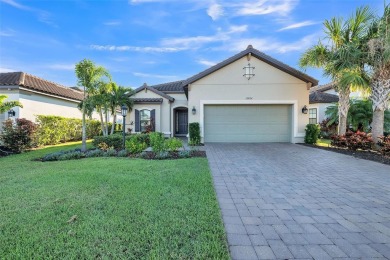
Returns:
<point x="162" y="111"/>
<point x="13" y="95"/>
<point x="269" y="85"/>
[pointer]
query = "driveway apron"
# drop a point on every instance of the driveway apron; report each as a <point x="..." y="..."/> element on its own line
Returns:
<point x="288" y="201"/>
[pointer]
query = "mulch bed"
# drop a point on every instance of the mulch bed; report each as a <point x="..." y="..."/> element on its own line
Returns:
<point x="366" y="155"/>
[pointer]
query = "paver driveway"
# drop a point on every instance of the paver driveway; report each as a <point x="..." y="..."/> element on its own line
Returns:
<point x="290" y="201"/>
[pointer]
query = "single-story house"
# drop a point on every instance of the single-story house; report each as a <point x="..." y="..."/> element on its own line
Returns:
<point x="249" y="97"/>
<point x="39" y="97"/>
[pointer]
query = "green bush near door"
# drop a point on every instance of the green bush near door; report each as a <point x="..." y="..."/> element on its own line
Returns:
<point x="312" y="132"/>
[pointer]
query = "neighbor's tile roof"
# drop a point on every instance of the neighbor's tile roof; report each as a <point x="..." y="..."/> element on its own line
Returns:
<point x="323" y="88"/>
<point x="175" y="86"/>
<point x="147" y="100"/>
<point x="41" y="85"/>
<point x="261" y="56"/>
<point x="320" y="97"/>
<point x="158" y="92"/>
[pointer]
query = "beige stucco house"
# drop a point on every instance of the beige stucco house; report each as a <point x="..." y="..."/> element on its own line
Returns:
<point x="249" y="97"/>
<point x="39" y="97"/>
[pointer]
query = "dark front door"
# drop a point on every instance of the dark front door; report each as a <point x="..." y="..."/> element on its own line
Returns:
<point x="181" y="122"/>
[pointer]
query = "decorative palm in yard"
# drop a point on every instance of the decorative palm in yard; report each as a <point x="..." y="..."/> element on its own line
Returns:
<point x="342" y="34"/>
<point x="89" y="76"/>
<point x="119" y="96"/>
<point x="7" y="105"/>
<point x="373" y="52"/>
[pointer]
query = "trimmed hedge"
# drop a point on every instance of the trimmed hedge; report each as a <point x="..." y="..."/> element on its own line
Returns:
<point x="57" y="129"/>
<point x="194" y="133"/>
<point x="312" y="132"/>
<point x="116" y="140"/>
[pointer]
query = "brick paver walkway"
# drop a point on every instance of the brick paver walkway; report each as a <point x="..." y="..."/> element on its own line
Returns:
<point x="289" y="201"/>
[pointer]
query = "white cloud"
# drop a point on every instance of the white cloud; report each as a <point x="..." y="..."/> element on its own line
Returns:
<point x="147" y="75"/>
<point x="205" y="62"/>
<point x="298" y="25"/>
<point x="263" y="7"/>
<point x="7" y="33"/>
<point x="5" y="70"/>
<point x="133" y="48"/>
<point x="17" y="5"/>
<point x="61" y="66"/>
<point x="215" y="11"/>
<point x="273" y="45"/>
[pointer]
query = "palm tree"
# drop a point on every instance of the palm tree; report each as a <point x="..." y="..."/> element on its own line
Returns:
<point x="340" y="33"/>
<point x="374" y="53"/>
<point x="89" y="76"/>
<point x="7" y="105"/>
<point x="119" y="96"/>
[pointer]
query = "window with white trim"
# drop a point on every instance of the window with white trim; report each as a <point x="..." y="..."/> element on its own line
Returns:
<point x="144" y="119"/>
<point x="313" y="116"/>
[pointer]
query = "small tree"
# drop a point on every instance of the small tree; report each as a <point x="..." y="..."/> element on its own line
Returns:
<point x="7" y="105"/>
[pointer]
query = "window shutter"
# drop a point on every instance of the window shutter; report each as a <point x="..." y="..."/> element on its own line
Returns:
<point x="153" y="119"/>
<point x="137" y="122"/>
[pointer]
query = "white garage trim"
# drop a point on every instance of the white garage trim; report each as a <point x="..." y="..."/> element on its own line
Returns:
<point x="294" y="103"/>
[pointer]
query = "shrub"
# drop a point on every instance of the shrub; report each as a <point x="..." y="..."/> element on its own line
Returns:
<point x="123" y="153"/>
<point x="384" y="144"/>
<point x="157" y="142"/>
<point x="133" y="145"/>
<point x="353" y="141"/>
<point x="184" y="154"/>
<point x="327" y="129"/>
<point x="311" y="133"/>
<point x="71" y="155"/>
<point x="194" y="130"/>
<point x="173" y="144"/>
<point x="57" y="129"/>
<point x="142" y="138"/>
<point x="111" y="152"/>
<point x="19" y="136"/>
<point x="94" y="153"/>
<point x="115" y="141"/>
<point x="52" y="156"/>
<point x="162" y="155"/>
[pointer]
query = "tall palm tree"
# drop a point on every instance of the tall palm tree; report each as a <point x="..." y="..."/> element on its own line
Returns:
<point x="339" y="33"/>
<point x="7" y="105"/>
<point x="374" y="52"/>
<point x="119" y="96"/>
<point x="89" y="76"/>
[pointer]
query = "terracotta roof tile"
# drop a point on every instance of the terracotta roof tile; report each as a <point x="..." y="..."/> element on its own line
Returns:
<point x="41" y="85"/>
<point x="320" y="97"/>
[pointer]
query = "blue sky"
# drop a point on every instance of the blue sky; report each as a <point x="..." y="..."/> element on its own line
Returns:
<point x="157" y="41"/>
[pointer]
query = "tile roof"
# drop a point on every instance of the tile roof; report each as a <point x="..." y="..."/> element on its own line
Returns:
<point x="261" y="56"/>
<point x="323" y="88"/>
<point x="175" y="86"/>
<point x="147" y="100"/>
<point x="41" y="85"/>
<point x="158" y="92"/>
<point x="320" y="97"/>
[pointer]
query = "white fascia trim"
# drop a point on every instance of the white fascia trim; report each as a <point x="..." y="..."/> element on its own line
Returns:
<point x="294" y="103"/>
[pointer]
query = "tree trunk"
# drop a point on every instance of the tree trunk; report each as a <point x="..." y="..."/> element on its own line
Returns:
<point x="377" y="124"/>
<point x="343" y="110"/>
<point x="102" y="123"/>
<point x="106" y="121"/>
<point x="84" y="133"/>
<point x="113" y="123"/>
<point x="380" y="93"/>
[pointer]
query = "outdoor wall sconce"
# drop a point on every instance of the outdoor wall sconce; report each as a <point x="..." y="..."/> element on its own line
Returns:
<point x="248" y="69"/>
<point x="193" y="110"/>
<point x="11" y="113"/>
<point x="304" y="110"/>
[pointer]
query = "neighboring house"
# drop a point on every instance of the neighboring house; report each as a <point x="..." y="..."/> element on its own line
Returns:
<point x="321" y="97"/>
<point x="249" y="97"/>
<point x="39" y="96"/>
<point x="319" y="102"/>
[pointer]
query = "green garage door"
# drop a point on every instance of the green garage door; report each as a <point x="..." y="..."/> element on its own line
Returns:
<point x="247" y="123"/>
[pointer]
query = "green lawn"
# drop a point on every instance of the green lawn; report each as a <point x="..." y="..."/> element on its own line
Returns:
<point x="126" y="208"/>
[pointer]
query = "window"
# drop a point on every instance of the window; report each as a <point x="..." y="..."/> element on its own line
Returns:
<point x="144" y="116"/>
<point x="313" y="116"/>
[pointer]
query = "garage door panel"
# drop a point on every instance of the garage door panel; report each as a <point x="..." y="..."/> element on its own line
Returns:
<point x="247" y="123"/>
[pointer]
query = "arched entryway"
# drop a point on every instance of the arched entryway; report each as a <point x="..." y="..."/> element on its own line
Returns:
<point x="180" y="118"/>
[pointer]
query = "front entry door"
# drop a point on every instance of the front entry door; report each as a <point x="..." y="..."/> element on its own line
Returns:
<point x="182" y="122"/>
